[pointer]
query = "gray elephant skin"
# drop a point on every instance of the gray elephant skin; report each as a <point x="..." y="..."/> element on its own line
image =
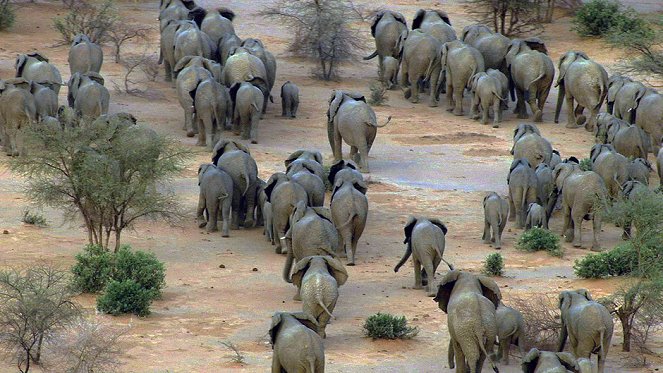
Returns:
<point x="218" y="24"/>
<point x="46" y="101"/>
<point x="638" y="170"/>
<point x="420" y="61"/>
<point x="459" y="62"/>
<point x="191" y="41"/>
<point x="493" y="46"/>
<point x="649" y="117"/>
<point x="623" y="93"/>
<point x="85" y="55"/>
<point x="435" y="23"/>
<point x="389" y="28"/>
<point x="242" y="66"/>
<point x="248" y="101"/>
<point x="469" y="302"/>
<point x="35" y="67"/>
<point x="391" y="67"/>
<point x="536" y="217"/>
<point x="530" y="145"/>
<point x="587" y="324"/>
<point x="306" y="157"/>
<point x="496" y="213"/>
<point x="522" y="190"/>
<point x="486" y="94"/>
<point x="551" y="362"/>
<point x="284" y="194"/>
<point x="659" y="166"/>
<point x="611" y="166"/>
<point x="87" y="94"/>
<point x="216" y="195"/>
<point x="289" y="99"/>
<point x="257" y="48"/>
<point x="544" y="183"/>
<point x="212" y="110"/>
<point x="307" y="174"/>
<point x="318" y="278"/>
<point x="510" y="331"/>
<point x="17" y="109"/>
<point x="191" y="72"/>
<point x="297" y="347"/>
<point x="352" y="120"/>
<point x="424" y="238"/>
<point x="349" y="208"/>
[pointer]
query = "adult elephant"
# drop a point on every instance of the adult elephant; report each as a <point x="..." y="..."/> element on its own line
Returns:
<point x="531" y="73"/>
<point x="35" y="66"/>
<point x="284" y="195"/>
<point x="435" y="23"/>
<point x="247" y="102"/>
<point x="420" y="62"/>
<point x="167" y="53"/>
<point x="178" y="10"/>
<point x="389" y="28"/>
<point x="242" y="66"/>
<point x="351" y="119"/>
<point x="522" y="190"/>
<point x="191" y="41"/>
<point x="612" y="167"/>
<point x="623" y="94"/>
<point x="459" y="62"/>
<point x="213" y="110"/>
<point x="17" y="110"/>
<point x="257" y="48"/>
<point x="307" y="174"/>
<point x="583" y="81"/>
<point x="530" y="145"/>
<point x="217" y="24"/>
<point x="243" y="169"/>
<point x="227" y="44"/>
<point x="649" y="117"/>
<point x="191" y="71"/>
<point x="493" y="46"/>
<point x="85" y="55"/>
<point x="46" y="101"/>
<point x="349" y="208"/>
<point x="87" y="95"/>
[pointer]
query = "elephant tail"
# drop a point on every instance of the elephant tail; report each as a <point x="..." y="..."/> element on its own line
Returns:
<point x="224" y="196"/>
<point x="382" y="125"/>
<point x="311" y="365"/>
<point x="348" y="222"/>
<point x="288" y="266"/>
<point x="560" y="100"/>
<point x="602" y="346"/>
<point x="405" y="257"/>
<point x="318" y="298"/>
<point x="247" y="179"/>
<point x="373" y="55"/>
<point x="482" y="345"/>
<point x="440" y="251"/>
<point x="526" y="93"/>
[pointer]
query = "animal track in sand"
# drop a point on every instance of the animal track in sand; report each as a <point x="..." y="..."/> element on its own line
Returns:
<point x="453" y="139"/>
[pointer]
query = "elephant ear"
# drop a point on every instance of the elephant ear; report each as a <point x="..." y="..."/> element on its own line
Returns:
<point x="409" y="226"/>
<point x="490" y="290"/>
<point x="337" y="185"/>
<point x="74" y="83"/>
<point x="318" y="157"/>
<point x="309" y="165"/>
<point x="536" y="44"/>
<point x="336" y="269"/>
<point x="272" y="183"/>
<point x="639" y="94"/>
<point x="614" y="85"/>
<point x="568" y="361"/>
<point x="378" y="17"/>
<point x="219" y="149"/>
<point x="304" y="318"/>
<point x="79" y="38"/>
<point x="95" y="77"/>
<point x="400" y="18"/>
<point x="361" y="186"/>
<point x="445" y="288"/>
<point x="334" y="169"/>
<point x="513" y="50"/>
<point x="418" y="18"/>
<point x="292" y="157"/>
<point x="21" y="60"/>
<point x="197" y="15"/>
<point x="530" y="361"/>
<point x="226" y="13"/>
<point x="585" y="293"/>
<point x="39" y="56"/>
<point x="274" y="328"/>
<point x="182" y="63"/>
<point x="298" y="212"/>
<point x="323" y="212"/>
<point x="300" y="270"/>
<point x="334" y="105"/>
<point x="439" y="224"/>
<point x="400" y="43"/>
<point x="444" y="16"/>
<point x="565" y="300"/>
<point x="565" y="61"/>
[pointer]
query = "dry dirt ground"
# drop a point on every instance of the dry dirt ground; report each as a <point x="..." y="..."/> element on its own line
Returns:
<point x="425" y="162"/>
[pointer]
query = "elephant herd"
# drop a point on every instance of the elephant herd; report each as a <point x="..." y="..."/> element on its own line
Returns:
<point x="222" y="81"/>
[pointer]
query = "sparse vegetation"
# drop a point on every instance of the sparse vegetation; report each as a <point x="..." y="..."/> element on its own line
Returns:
<point x="494" y="265"/>
<point x="603" y="17"/>
<point x="512" y="17"/>
<point x="131" y="83"/>
<point x="125" y="297"/>
<point x="621" y="260"/>
<point x="122" y="32"/>
<point x="586" y="164"/>
<point x="93" y="20"/>
<point x="387" y="326"/>
<point x="33" y="218"/>
<point x="537" y="239"/>
<point x="238" y="357"/>
<point x="378" y="94"/>
<point x="542" y="322"/>
<point x="7" y="15"/>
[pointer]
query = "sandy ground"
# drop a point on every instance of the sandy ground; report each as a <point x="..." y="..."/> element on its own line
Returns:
<point x="425" y="162"/>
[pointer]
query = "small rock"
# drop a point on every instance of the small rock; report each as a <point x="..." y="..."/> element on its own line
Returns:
<point x="222" y="266"/>
<point x="425" y="315"/>
<point x="5" y="232"/>
<point x="255" y="269"/>
<point x="415" y="319"/>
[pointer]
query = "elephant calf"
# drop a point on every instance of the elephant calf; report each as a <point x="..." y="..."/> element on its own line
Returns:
<point x="216" y="194"/>
<point x="318" y="278"/>
<point x="297" y="347"/>
<point x="391" y="66"/>
<point x="496" y="213"/>
<point x="545" y="362"/>
<point x="212" y="109"/>
<point x="248" y="102"/>
<point x="425" y="242"/>
<point x="289" y="99"/>
<point x="486" y="93"/>
<point x="510" y="330"/>
<point x="536" y="217"/>
<point x="639" y="169"/>
<point x="88" y="95"/>
<point x="349" y="208"/>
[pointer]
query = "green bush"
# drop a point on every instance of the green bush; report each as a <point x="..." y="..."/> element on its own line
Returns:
<point x="586" y="164"/>
<point x="7" y="16"/>
<point x="622" y="260"/>
<point x="494" y="265"/>
<point x="602" y="17"/>
<point x="141" y="267"/>
<point x="537" y="239"/>
<point x="125" y="297"/>
<point x="93" y="269"/>
<point x="386" y="326"/>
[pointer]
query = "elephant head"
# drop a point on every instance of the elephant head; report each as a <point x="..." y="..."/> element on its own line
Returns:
<point x="472" y="32"/>
<point x="564" y="170"/>
<point x="536" y="44"/>
<point x="338" y="166"/>
<point x="95" y="77"/>
<point x="202" y="169"/>
<point x="566" y="60"/>
<point x="489" y="288"/>
<point x="412" y="221"/>
<point x="378" y="16"/>
<point x="615" y="83"/>
<point x="302" y="164"/>
<point x="336" y="100"/>
<point x="226" y="13"/>
<point x="548" y="360"/>
<point x="304" y="154"/>
<point x="421" y="14"/>
<point x="304" y="318"/>
<point x="516" y="47"/>
<point x="197" y="15"/>
<point x="566" y="299"/>
<point x="597" y="149"/>
<point x="522" y="130"/>
<point x="80" y="38"/>
<point x="21" y="83"/>
<point x="334" y="267"/>
<point x="274" y="180"/>
<point x="474" y="80"/>
<point x="224" y="146"/>
<point x="187" y="61"/>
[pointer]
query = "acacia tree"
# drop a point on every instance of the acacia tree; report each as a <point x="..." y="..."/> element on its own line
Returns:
<point x="512" y="17"/>
<point x="324" y="30"/>
<point x="112" y="172"/>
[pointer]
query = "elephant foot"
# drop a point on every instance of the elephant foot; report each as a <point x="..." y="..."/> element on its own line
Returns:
<point x="351" y="264"/>
<point x="249" y="223"/>
<point x="496" y="125"/>
<point x="458" y="113"/>
<point x="200" y="143"/>
<point x="234" y="226"/>
<point x="522" y="116"/>
<point x="538" y="116"/>
<point x="498" y="247"/>
<point x="212" y="229"/>
<point x="225" y="234"/>
<point x="577" y="245"/>
<point x="278" y="250"/>
<point x="475" y="116"/>
<point x="581" y="119"/>
<point x="190" y="133"/>
<point x="431" y="294"/>
<point x="568" y="238"/>
<point x="487" y="242"/>
<point x="572" y="125"/>
<point x="407" y="93"/>
<point x="414" y="100"/>
<point x="202" y="223"/>
<point x="433" y="104"/>
<point x="596" y="248"/>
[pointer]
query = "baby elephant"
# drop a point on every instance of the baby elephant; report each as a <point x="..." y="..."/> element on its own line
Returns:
<point x="545" y="361"/>
<point x="425" y="242"/>
<point x="536" y="217"/>
<point x="216" y="193"/>
<point x="486" y="93"/>
<point x="496" y="213"/>
<point x="510" y="331"/>
<point x="289" y="99"/>
<point x="318" y="278"/>
<point x="297" y="348"/>
<point x="390" y="65"/>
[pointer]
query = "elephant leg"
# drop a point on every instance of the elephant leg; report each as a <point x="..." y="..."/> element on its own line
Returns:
<point x="474" y="106"/>
<point x="534" y="106"/>
<point x="591" y="121"/>
<point x="430" y="271"/>
<point x="353" y="249"/>
<point x="324" y="318"/>
<point x="203" y="124"/>
<point x="285" y="105"/>
<point x="381" y="68"/>
<point x="212" y="206"/>
<point x="417" y="273"/>
<point x="225" y="213"/>
<point x="168" y="71"/>
<point x="354" y="154"/>
<point x="571" y="117"/>
<point x="576" y="217"/>
<point x="237" y="196"/>
<point x="512" y="209"/>
<point x="567" y="229"/>
<point x="276" y="364"/>
<point x="485" y="111"/>
<point x="497" y="112"/>
<point x="249" y="221"/>
<point x="458" y="98"/>
<point x="236" y="123"/>
<point x="433" y="89"/>
<point x="461" y="366"/>
<point x="293" y="110"/>
<point x="405" y="80"/>
<point x="338" y="144"/>
<point x="363" y="157"/>
<point x="521" y="108"/>
<point x="596" y="230"/>
<point x="450" y="96"/>
<point x="253" y="129"/>
<point x="414" y="90"/>
<point x="486" y="232"/>
<point x="200" y="211"/>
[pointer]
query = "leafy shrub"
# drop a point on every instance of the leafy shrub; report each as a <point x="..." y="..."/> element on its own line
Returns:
<point x="537" y="239"/>
<point x="387" y="326"/>
<point x="141" y="267"/>
<point x="95" y="21"/>
<point x="622" y="260"/>
<point x="125" y="297"/>
<point x="93" y="269"/>
<point x="494" y="265"/>
<point x="378" y="94"/>
<point x="586" y="164"/>
<point x="602" y="17"/>
<point x="7" y="16"/>
<point x="34" y="218"/>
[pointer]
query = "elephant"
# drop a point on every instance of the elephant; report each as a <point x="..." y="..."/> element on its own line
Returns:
<point x="603" y="121"/>
<point x="504" y="84"/>
<point x="529" y="144"/>
<point x="522" y="190"/>
<point x="46" y="100"/>
<point x="639" y="169"/>
<point x="227" y="44"/>
<point x="615" y="83"/>
<point x="87" y="95"/>
<point x="391" y="67"/>
<point x="191" y="41"/>
<point x="582" y="192"/>
<point x="544" y="183"/>
<point x="389" y="28"/>
<point x="305" y="173"/>
<point x="659" y="166"/>
<point x="551" y="362"/>
<point x="242" y="66"/>
<point x="35" y="67"/>
<point x="628" y="139"/>
<point x="629" y="192"/>
<point x="459" y="62"/>
<point x="425" y="242"/>
<point x="531" y="74"/>
<point x="289" y="99"/>
<point x="510" y="331"/>
<point x="469" y="302"/>
<point x="243" y="170"/>
<point x="17" y="110"/>
<point x="599" y="149"/>
<point x="351" y="119"/>
<point x="347" y="171"/>
<point x="212" y="107"/>
<point x="268" y="230"/>
<point x="318" y="278"/>
<point x="179" y="10"/>
<point x="493" y="46"/>
<point x="349" y="208"/>
<point x="612" y="167"/>
<point x="536" y="217"/>
<point x="420" y="58"/>
<point x="587" y="324"/>
<point x="191" y="71"/>
<point x="85" y="55"/>
<point x="305" y="158"/>
<point x="257" y="48"/>
<point x="284" y="195"/>
<point x="555" y="159"/>
<point x="649" y="117"/>
<point x="223" y="146"/>
<point x="297" y="347"/>
<point x="167" y="47"/>
<point x="435" y="23"/>
<point x="216" y="195"/>
<point x="486" y="93"/>
<point x="496" y="213"/>
<point x="623" y="94"/>
<point x="583" y="81"/>
<point x="217" y="24"/>
<point x="247" y="102"/>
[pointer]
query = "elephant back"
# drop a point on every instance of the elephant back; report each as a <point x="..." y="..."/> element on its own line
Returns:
<point x="243" y="67"/>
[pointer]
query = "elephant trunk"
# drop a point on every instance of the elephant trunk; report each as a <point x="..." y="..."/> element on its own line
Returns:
<point x="405" y="257"/>
<point x="560" y="101"/>
<point x="373" y="55"/>
<point x="287" y="267"/>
